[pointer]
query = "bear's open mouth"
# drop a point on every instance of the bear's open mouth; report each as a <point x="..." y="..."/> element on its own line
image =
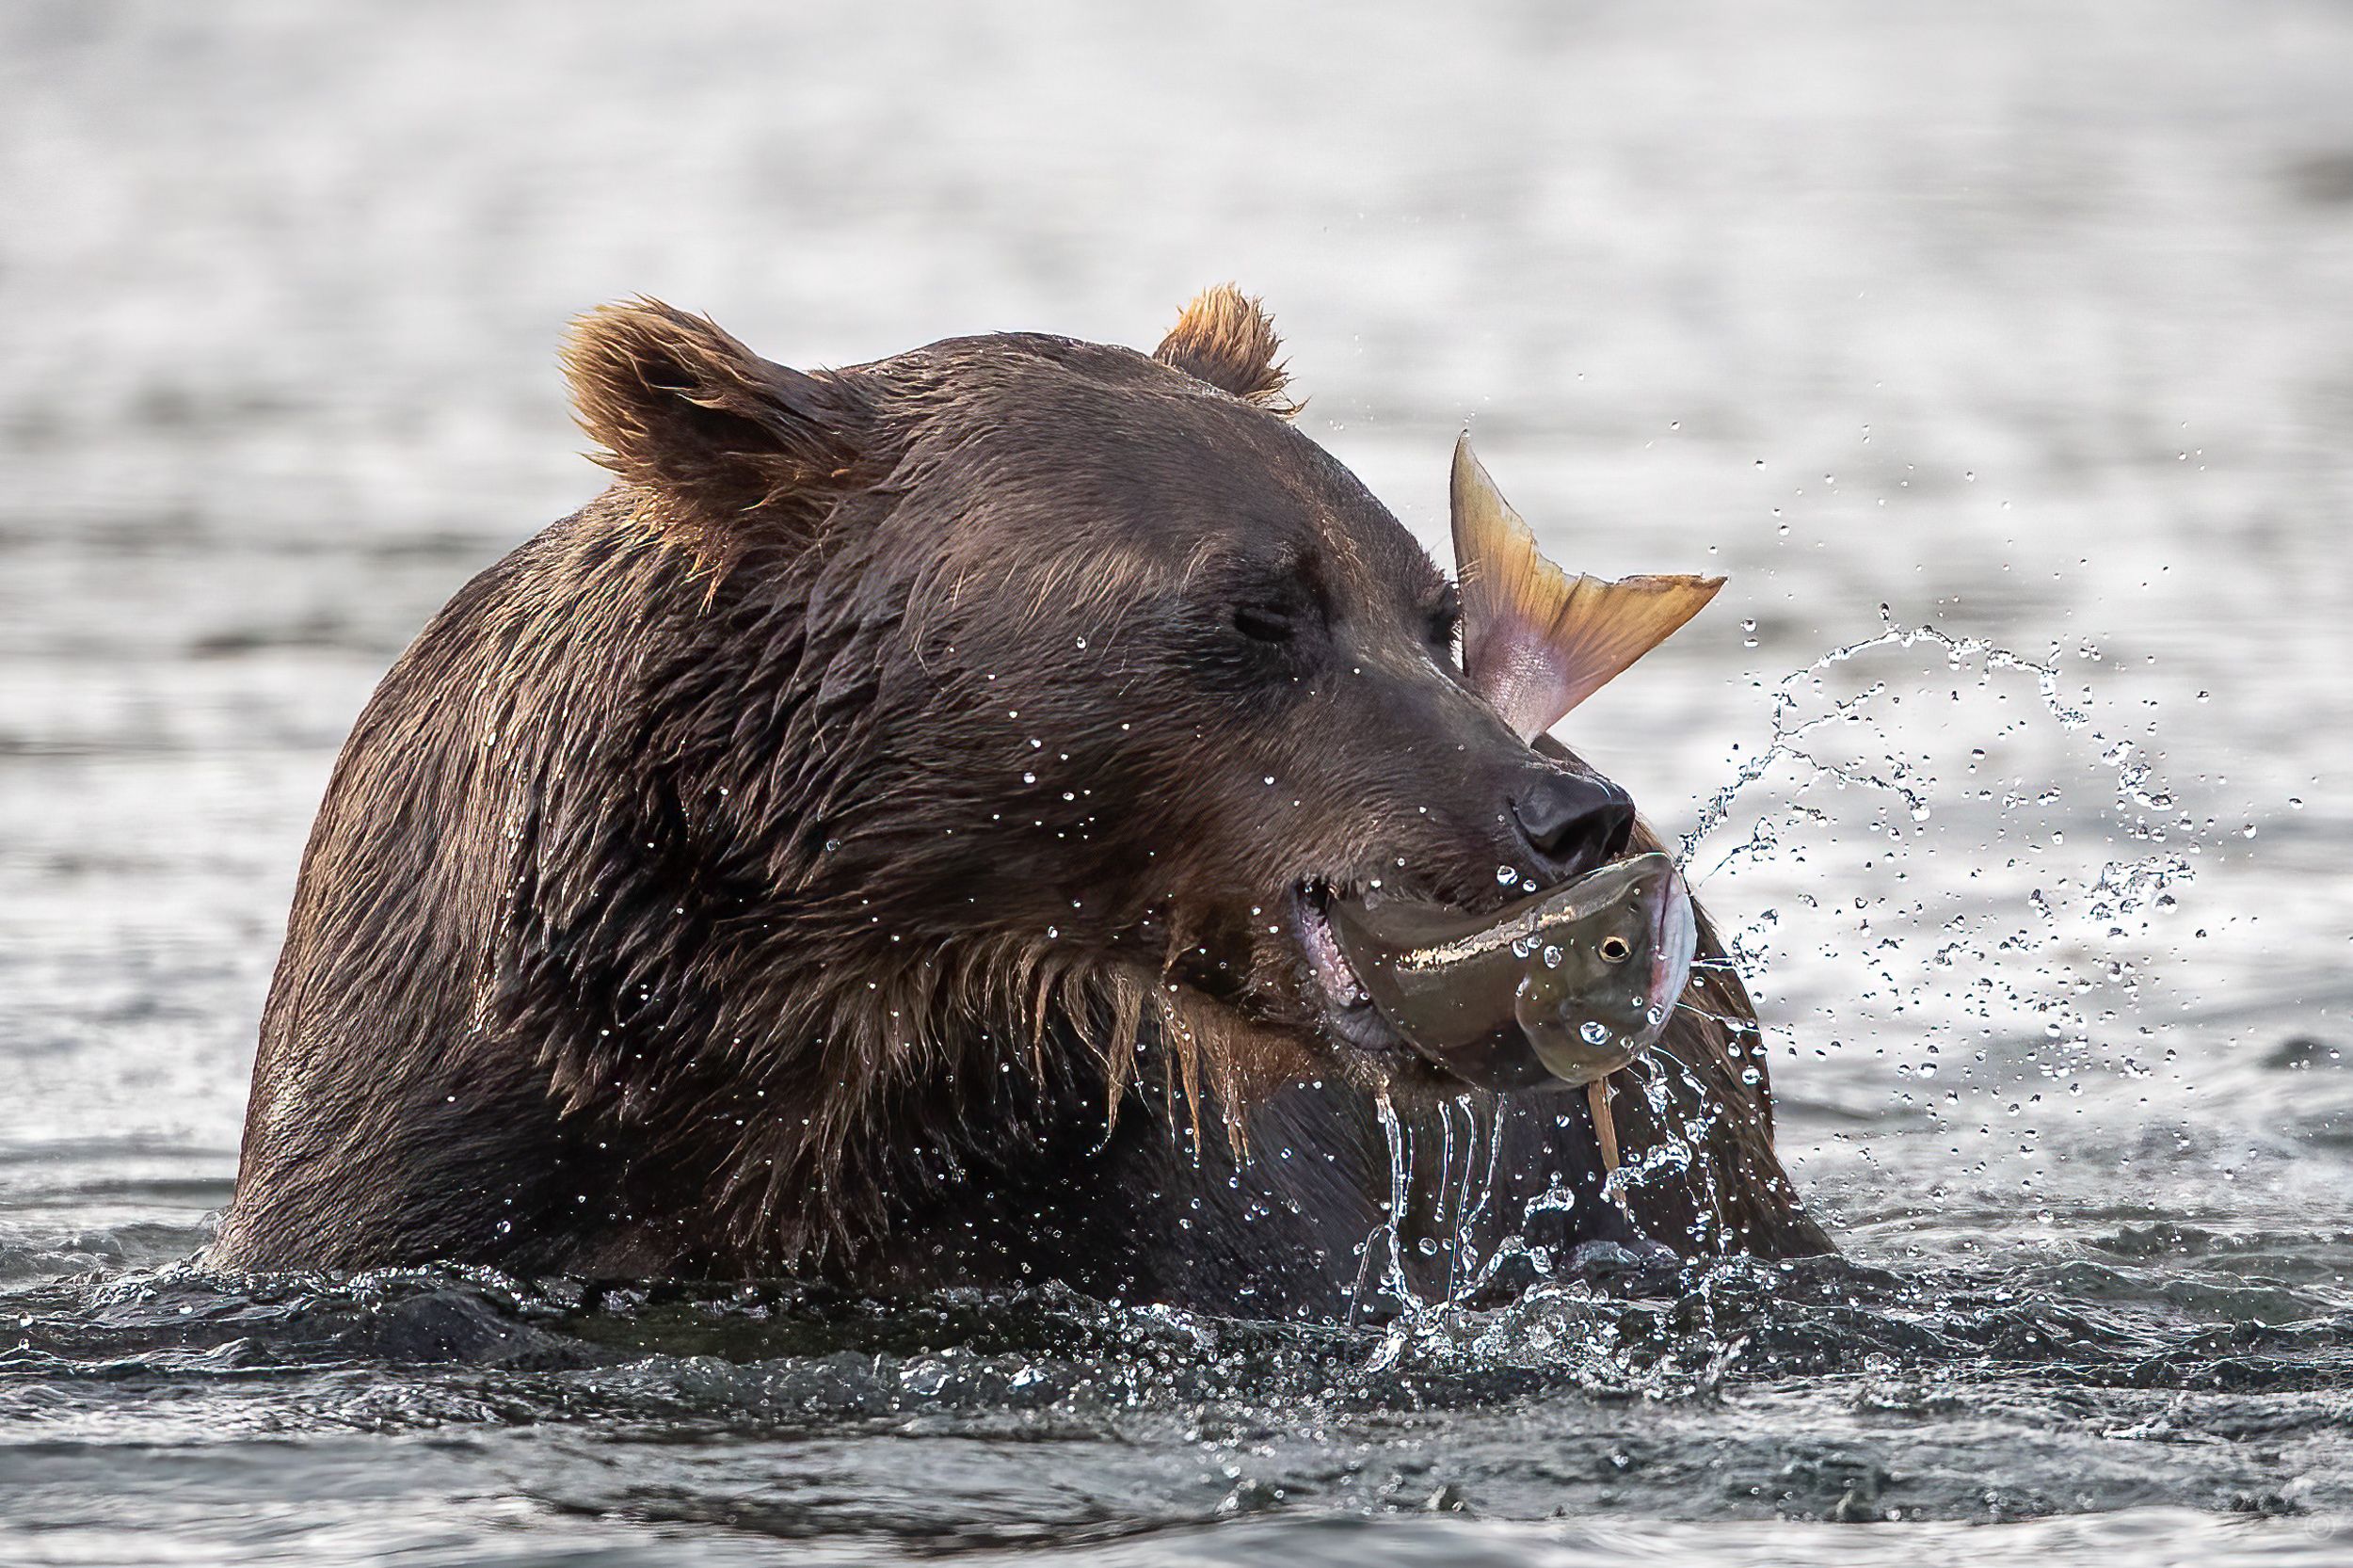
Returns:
<point x="1349" y="1015"/>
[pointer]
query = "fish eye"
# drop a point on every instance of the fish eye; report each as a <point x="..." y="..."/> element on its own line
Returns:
<point x="1614" y="950"/>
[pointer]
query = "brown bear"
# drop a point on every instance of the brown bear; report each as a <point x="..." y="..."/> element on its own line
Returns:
<point x="870" y="843"/>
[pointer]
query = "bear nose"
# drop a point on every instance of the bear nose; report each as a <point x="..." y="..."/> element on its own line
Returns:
<point x="1574" y="823"/>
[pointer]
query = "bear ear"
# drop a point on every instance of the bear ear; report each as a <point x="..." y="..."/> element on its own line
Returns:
<point x="714" y="431"/>
<point x="1226" y="339"/>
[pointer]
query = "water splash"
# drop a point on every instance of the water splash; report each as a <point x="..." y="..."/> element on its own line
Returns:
<point x="1969" y="958"/>
<point x="2143" y="812"/>
<point x="1453" y="1231"/>
<point x="2137" y="786"/>
<point x="1386" y="1241"/>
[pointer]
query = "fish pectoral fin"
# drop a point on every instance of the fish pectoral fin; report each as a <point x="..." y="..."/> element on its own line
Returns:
<point x="1605" y="1123"/>
<point x="1536" y="642"/>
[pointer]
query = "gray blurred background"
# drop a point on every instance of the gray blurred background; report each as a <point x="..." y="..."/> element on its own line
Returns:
<point x="2034" y="321"/>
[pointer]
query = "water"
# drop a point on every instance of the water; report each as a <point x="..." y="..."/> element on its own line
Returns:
<point x="2031" y="326"/>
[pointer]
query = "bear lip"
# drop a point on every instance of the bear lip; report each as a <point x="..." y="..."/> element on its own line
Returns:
<point x="1349" y="1015"/>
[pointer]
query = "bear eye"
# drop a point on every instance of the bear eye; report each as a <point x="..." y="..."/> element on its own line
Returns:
<point x="1265" y="623"/>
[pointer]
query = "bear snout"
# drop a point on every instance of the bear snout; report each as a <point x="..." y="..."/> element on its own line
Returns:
<point x="1572" y="823"/>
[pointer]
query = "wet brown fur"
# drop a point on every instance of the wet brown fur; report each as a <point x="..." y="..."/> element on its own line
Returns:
<point x="1226" y="339"/>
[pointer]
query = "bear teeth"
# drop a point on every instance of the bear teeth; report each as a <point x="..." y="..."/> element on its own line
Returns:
<point x="1333" y="970"/>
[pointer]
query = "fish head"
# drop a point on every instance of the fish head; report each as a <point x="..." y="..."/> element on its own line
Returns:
<point x="1555" y="989"/>
<point x="1602" y="979"/>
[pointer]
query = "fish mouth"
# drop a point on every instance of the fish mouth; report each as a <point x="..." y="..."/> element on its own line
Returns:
<point x="1674" y="943"/>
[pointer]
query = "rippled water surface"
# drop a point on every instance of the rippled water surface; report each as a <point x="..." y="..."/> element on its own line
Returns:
<point x="2029" y="325"/>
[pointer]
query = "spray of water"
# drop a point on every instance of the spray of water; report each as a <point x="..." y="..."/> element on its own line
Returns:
<point x="1799" y="759"/>
<point x="1792" y="730"/>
